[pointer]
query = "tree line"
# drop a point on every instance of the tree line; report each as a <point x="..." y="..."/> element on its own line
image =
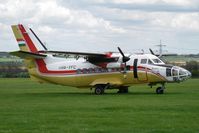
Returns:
<point x="13" y="70"/>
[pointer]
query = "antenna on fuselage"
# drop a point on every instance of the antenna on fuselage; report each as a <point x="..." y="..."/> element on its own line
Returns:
<point x="42" y="44"/>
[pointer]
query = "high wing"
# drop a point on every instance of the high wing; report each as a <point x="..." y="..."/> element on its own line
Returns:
<point x="93" y="58"/>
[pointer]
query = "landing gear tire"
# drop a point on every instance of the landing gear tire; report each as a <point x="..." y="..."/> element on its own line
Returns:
<point x="99" y="90"/>
<point x="123" y="90"/>
<point x="160" y="90"/>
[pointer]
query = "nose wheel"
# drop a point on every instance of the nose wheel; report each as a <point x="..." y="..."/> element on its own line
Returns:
<point x="160" y="90"/>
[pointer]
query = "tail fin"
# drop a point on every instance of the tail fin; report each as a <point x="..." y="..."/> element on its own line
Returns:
<point x="26" y="40"/>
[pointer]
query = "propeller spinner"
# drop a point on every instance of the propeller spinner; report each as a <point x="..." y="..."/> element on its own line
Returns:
<point x="124" y="58"/>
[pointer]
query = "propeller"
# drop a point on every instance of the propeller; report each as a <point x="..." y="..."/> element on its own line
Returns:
<point x="124" y="58"/>
<point x="151" y="51"/>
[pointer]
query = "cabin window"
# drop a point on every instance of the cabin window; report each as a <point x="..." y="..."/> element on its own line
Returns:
<point x="143" y="61"/>
<point x="103" y="70"/>
<point x="118" y="69"/>
<point x="85" y="70"/>
<point x="79" y="71"/>
<point x="96" y="70"/>
<point x="90" y="70"/>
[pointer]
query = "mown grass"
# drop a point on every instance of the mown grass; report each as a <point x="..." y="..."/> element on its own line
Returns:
<point x="4" y="59"/>
<point x="30" y="107"/>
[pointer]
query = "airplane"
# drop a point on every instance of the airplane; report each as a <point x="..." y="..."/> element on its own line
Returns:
<point x="101" y="71"/>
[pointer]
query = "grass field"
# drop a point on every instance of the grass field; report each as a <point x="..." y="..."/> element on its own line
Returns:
<point x="27" y="107"/>
<point x="10" y="60"/>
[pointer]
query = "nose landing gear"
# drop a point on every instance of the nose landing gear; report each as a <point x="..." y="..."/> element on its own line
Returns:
<point x="160" y="90"/>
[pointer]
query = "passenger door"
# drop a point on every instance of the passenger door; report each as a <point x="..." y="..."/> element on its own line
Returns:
<point x="142" y="70"/>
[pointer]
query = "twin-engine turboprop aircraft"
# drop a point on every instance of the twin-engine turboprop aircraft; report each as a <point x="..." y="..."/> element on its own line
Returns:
<point x="95" y="70"/>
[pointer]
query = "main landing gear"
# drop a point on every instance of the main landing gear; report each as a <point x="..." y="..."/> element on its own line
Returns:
<point x="123" y="89"/>
<point x="99" y="89"/>
<point x="160" y="90"/>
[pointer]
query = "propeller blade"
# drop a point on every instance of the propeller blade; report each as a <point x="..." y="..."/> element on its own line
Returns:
<point x="151" y="51"/>
<point x="121" y="51"/>
<point x="124" y="58"/>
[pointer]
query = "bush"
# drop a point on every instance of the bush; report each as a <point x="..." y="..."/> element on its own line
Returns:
<point x="193" y="67"/>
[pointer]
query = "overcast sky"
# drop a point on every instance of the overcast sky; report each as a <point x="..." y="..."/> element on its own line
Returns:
<point x="102" y="25"/>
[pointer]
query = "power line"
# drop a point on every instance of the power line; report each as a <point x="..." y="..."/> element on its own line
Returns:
<point x="160" y="48"/>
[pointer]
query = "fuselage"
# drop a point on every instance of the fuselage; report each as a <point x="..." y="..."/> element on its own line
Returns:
<point x="78" y="72"/>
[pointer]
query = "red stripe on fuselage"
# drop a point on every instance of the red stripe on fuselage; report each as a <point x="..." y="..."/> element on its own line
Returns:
<point x="43" y="69"/>
<point x="29" y="42"/>
<point x="140" y="67"/>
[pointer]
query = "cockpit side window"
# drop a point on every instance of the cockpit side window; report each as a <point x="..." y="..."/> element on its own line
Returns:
<point x="157" y="61"/>
<point x="174" y="72"/>
<point x="143" y="61"/>
<point x="150" y="62"/>
<point x="168" y="72"/>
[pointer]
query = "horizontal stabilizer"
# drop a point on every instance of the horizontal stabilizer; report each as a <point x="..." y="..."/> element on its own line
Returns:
<point x="28" y="55"/>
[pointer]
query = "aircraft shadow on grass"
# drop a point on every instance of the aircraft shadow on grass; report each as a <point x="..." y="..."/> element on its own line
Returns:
<point x="55" y="94"/>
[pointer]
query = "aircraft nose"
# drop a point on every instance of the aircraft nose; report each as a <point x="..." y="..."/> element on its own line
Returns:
<point x="184" y="74"/>
<point x="189" y="74"/>
<point x="180" y="74"/>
